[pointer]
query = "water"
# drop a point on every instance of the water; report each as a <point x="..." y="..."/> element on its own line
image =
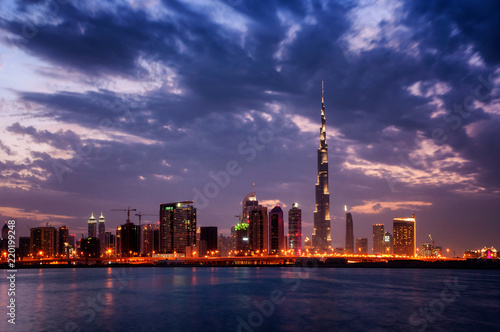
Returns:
<point x="227" y="299"/>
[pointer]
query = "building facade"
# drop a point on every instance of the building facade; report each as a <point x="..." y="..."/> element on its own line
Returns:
<point x="349" y="232"/>
<point x="177" y="227"/>
<point x="208" y="235"/>
<point x="361" y="246"/>
<point x="295" y="229"/>
<point x="405" y="236"/>
<point x="378" y="239"/>
<point x="92" y="227"/>
<point x="258" y="230"/>
<point x="277" y="243"/>
<point x="101" y="231"/>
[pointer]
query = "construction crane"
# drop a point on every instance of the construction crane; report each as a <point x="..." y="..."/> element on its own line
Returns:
<point x="431" y="240"/>
<point x="128" y="212"/>
<point x="140" y="214"/>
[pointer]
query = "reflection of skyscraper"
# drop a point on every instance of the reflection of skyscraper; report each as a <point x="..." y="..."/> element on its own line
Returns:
<point x="101" y="234"/>
<point x="92" y="226"/>
<point x="405" y="236"/>
<point x="378" y="238"/>
<point x="295" y="229"/>
<point x="258" y="230"/>
<point x="362" y="246"/>
<point x="276" y="231"/>
<point x="177" y="227"/>
<point x="322" y="228"/>
<point x="349" y="233"/>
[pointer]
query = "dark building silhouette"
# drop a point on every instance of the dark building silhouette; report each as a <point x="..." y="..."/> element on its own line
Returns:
<point x="405" y="236"/>
<point x="63" y="245"/>
<point x="208" y="235"/>
<point x="24" y="247"/>
<point x="361" y="246"/>
<point x="378" y="238"/>
<point x="43" y="241"/>
<point x="129" y="240"/>
<point x="295" y="229"/>
<point x="349" y="232"/>
<point x="258" y="230"/>
<point x="177" y="227"/>
<point x="321" y="238"/>
<point x="150" y="239"/>
<point x="101" y="233"/>
<point x="90" y="247"/>
<point x="276" y="231"/>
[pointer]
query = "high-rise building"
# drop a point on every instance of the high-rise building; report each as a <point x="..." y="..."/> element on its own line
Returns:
<point x="388" y="243"/>
<point x="118" y="243"/>
<point x="276" y="231"/>
<point x="249" y="202"/>
<point x="349" y="232"/>
<point x="307" y="244"/>
<point x="242" y="242"/>
<point x="43" y="241"/>
<point x="5" y="231"/>
<point x="24" y="247"/>
<point x="63" y="245"/>
<point x="129" y="240"/>
<point x="90" y="247"/>
<point x="258" y="230"/>
<point x="209" y="236"/>
<point x="321" y="239"/>
<point x="92" y="226"/>
<point x="109" y="244"/>
<point x="149" y="240"/>
<point x="4" y="240"/>
<point x="362" y="246"/>
<point x="177" y="227"/>
<point x="295" y="229"/>
<point x="378" y="238"/>
<point x="101" y="234"/>
<point x="405" y="236"/>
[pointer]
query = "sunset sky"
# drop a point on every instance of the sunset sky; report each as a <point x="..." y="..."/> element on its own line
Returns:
<point x="110" y="104"/>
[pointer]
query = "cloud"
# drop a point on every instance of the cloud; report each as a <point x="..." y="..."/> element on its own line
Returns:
<point x="375" y="207"/>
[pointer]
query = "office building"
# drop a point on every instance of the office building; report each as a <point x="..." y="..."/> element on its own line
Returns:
<point x="177" y="227"/>
<point x="276" y="232"/>
<point x="92" y="227"/>
<point x="378" y="239"/>
<point x="129" y="240"/>
<point x="321" y="238"/>
<point x="362" y="246"/>
<point x="63" y="244"/>
<point x="258" y="230"/>
<point x="43" y="241"/>
<point x="24" y="247"/>
<point x="388" y="243"/>
<point x="295" y="229"/>
<point x="101" y="231"/>
<point x="208" y="236"/>
<point x="349" y="232"/>
<point x="90" y="247"/>
<point x="405" y="236"/>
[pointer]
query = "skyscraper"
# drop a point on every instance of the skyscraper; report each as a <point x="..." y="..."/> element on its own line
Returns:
<point x="321" y="238"/>
<point x="242" y="242"/>
<point x="129" y="240"/>
<point x="177" y="227"/>
<point x="92" y="227"/>
<point x="43" y="241"/>
<point x="295" y="229"/>
<point x="62" y="243"/>
<point x="349" y="232"/>
<point x="378" y="238"/>
<point x="101" y="234"/>
<point x="405" y="236"/>
<point x="276" y="231"/>
<point x="258" y="230"/>
<point x="209" y="236"/>
<point x="388" y="243"/>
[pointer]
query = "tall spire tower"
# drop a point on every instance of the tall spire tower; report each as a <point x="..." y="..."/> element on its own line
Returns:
<point x="321" y="238"/>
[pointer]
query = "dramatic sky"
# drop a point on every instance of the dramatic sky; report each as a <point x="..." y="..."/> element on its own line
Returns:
<point x="106" y="104"/>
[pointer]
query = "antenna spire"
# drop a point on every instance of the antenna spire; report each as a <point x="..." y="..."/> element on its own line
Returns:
<point x="322" y="92"/>
<point x="253" y="187"/>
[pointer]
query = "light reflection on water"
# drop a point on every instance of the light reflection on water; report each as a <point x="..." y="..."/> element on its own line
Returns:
<point x="219" y="299"/>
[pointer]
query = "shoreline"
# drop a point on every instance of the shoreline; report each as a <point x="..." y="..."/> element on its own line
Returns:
<point x="406" y="264"/>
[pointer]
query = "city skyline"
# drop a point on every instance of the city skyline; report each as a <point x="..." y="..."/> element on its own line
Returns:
<point x="110" y="105"/>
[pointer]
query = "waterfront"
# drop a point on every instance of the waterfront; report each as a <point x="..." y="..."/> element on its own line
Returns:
<point x="223" y="299"/>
